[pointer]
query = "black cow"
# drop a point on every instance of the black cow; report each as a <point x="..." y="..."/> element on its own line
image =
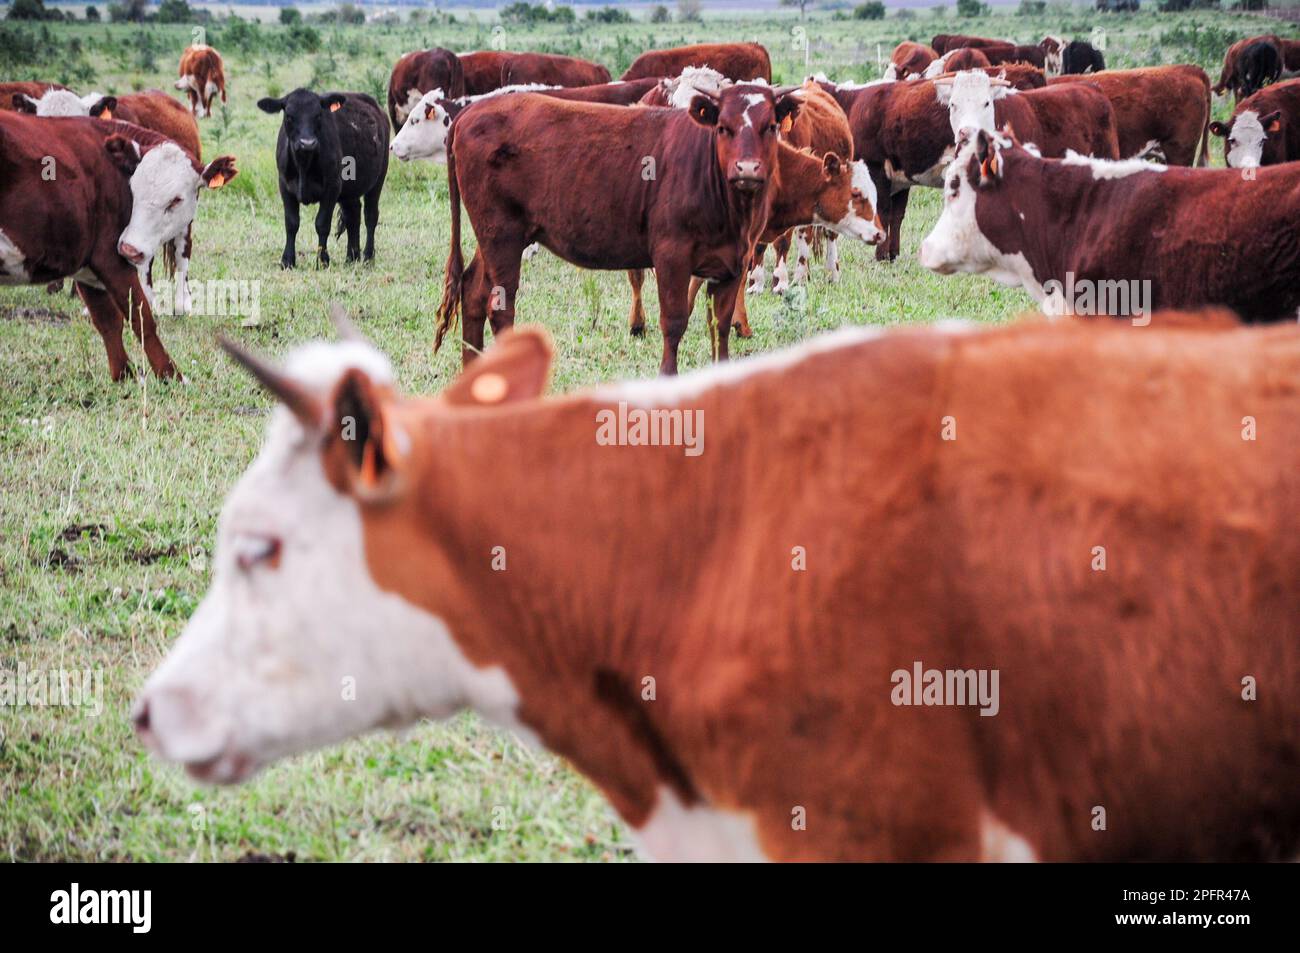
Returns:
<point x="332" y="149"/>
<point x="1081" y="57"/>
<point x="1259" y="64"/>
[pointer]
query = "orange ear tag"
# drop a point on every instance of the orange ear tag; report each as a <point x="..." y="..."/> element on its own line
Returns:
<point x="335" y="107"/>
<point x="489" y="389"/>
<point x="106" y="114"/>
<point x="217" y="181"/>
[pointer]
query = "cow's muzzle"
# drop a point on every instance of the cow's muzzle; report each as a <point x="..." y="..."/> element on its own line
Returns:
<point x="130" y="253"/>
<point x="747" y="175"/>
<point x="306" y="145"/>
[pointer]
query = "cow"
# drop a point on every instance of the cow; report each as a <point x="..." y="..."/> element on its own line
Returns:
<point x="739" y="62"/>
<point x="904" y="133"/>
<point x="686" y="192"/>
<point x="419" y="72"/>
<point x="9" y="93"/>
<point x="482" y="70"/>
<point x="202" y="77"/>
<point x="551" y="70"/>
<point x="945" y="680"/>
<point x="1022" y="76"/>
<point x="424" y="135"/>
<point x="1053" y="48"/>
<point x="909" y="59"/>
<point x="1231" y="77"/>
<point x="1264" y="128"/>
<point x="1056" y="120"/>
<point x="331" y="149"/>
<point x="152" y="109"/>
<point x="120" y="191"/>
<point x="677" y="92"/>
<point x="1000" y="51"/>
<point x="1259" y="65"/>
<point x="1135" y="229"/>
<point x="1080" y="57"/>
<point x="1161" y="112"/>
<point x="966" y="58"/>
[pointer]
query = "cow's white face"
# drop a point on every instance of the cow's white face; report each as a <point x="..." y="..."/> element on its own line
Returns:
<point x="861" y="220"/>
<point x="295" y="646"/>
<point x="693" y="80"/>
<point x="970" y="98"/>
<point x="1246" y="140"/>
<point x="62" y="102"/>
<point x="424" y="134"/>
<point x="164" y="197"/>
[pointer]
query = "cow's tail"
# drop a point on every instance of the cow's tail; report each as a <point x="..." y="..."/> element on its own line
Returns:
<point x="339" y="225"/>
<point x="451" y="283"/>
<point x="1204" y="159"/>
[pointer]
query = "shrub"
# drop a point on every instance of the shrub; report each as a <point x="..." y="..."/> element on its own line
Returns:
<point x="92" y="14"/>
<point x="660" y="14"/>
<point x="871" y="10"/>
<point x="128" y="11"/>
<point x="174" y="11"/>
<point x="689" y="11"/>
<point x="1032" y="8"/>
<point x="290" y="16"/>
<point x="32" y="10"/>
<point x="350" y="13"/>
<point x="609" y="15"/>
<point x="972" y="8"/>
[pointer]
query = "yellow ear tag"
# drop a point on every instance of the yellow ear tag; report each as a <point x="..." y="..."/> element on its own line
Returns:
<point x="335" y="107"/>
<point x="217" y="181"/>
<point x="489" y="389"/>
<point x="106" y="114"/>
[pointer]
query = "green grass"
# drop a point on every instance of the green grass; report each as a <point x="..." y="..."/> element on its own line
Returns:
<point x="109" y="494"/>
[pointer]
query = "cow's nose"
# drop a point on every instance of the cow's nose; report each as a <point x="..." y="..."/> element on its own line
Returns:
<point x="308" y="144"/>
<point x="140" y="717"/>
<point x="747" y="168"/>
<point x="130" y="253"/>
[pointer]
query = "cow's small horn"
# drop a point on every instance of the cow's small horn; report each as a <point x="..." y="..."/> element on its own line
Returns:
<point x="779" y="91"/>
<point x="995" y="81"/>
<point x="347" y="330"/>
<point x="289" y="392"/>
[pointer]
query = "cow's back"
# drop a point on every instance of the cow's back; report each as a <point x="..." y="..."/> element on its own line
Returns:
<point x="482" y="70"/>
<point x="1077" y="117"/>
<point x="363" y="135"/>
<point x="739" y="62"/>
<point x="154" y="109"/>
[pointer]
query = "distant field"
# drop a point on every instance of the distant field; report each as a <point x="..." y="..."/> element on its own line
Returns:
<point x="109" y="493"/>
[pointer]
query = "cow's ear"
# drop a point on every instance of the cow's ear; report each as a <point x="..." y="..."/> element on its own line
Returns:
<point x="365" y="451"/>
<point x="124" y="152"/>
<point x="1272" y="122"/>
<point x="103" y="108"/>
<point x="1218" y="128"/>
<point x="516" y="367"/>
<point x="831" y="165"/>
<point x="219" y="171"/>
<point x="704" y="109"/>
<point x="24" y="103"/>
<point x="990" y="159"/>
<point x="269" y="104"/>
<point x="787" y="108"/>
<point x="333" y="101"/>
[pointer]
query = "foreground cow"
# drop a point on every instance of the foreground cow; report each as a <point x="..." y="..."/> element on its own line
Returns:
<point x="685" y="192"/>
<point x="1264" y="129"/>
<point x="331" y="149"/>
<point x="202" y="77"/>
<point x="739" y="62"/>
<point x="1144" y="231"/>
<point x="1161" y="112"/>
<point x="418" y="72"/>
<point x="120" y="192"/>
<point x="711" y="691"/>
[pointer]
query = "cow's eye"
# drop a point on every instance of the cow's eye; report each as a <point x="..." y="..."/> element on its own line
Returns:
<point x="771" y="129"/>
<point x="446" y="120"/>
<point x="173" y="203"/>
<point x="254" y="549"/>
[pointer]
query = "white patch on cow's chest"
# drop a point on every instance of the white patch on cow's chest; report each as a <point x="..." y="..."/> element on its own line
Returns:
<point x="675" y="833"/>
<point x="88" y="277"/>
<point x="12" y="261"/>
<point x="999" y="844"/>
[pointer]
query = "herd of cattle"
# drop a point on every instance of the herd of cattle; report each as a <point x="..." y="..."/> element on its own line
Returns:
<point x="839" y="538"/>
<point x="696" y="163"/>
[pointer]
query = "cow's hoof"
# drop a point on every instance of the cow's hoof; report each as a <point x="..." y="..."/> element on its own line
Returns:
<point x="638" y="330"/>
<point x="742" y="330"/>
<point x="287" y="264"/>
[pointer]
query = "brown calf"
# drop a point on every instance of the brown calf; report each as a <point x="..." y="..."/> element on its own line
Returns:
<point x="900" y="640"/>
<point x="740" y="62"/>
<point x="202" y="76"/>
<point x="1160" y="111"/>
<point x="686" y="192"/>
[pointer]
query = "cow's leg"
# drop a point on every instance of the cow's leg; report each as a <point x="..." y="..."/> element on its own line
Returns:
<point x="832" y="256"/>
<point x="636" y="322"/>
<point x="740" y="314"/>
<point x="108" y="322"/>
<point x="888" y="249"/>
<point x="475" y="291"/>
<point x="323" y="216"/>
<point x="504" y="259"/>
<point x="722" y="304"/>
<point x="673" y="279"/>
<point x="291" y="218"/>
<point x="757" y="276"/>
<point x="802" y="256"/>
<point x="182" y="247"/>
<point x="781" y="273"/>
<point x="372" y="220"/>
<point x="129" y="297"/>
<point x="352" y="224"/>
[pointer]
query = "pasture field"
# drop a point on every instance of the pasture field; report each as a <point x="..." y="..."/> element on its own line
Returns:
<point x="109" y="493"/>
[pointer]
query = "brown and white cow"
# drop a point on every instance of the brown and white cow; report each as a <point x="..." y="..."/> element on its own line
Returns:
<point x="152" y="109"/>
<point x="909" y="59"/>
<point x="202" y="77"/>
<point x="1161" y="236"/>
<point x="940" y="676"/>
<point x="1004" y="51"/>
<point x="1161" y="112"/>
<point x="552" y="70"/>
<point x="1264" y="128"/>
<point x="686" y="192"/>
<point x="417" y="73"/>
<point x="118" y="192"/>
<point x="739" y="62"/>
<point x="966" y="58"/>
